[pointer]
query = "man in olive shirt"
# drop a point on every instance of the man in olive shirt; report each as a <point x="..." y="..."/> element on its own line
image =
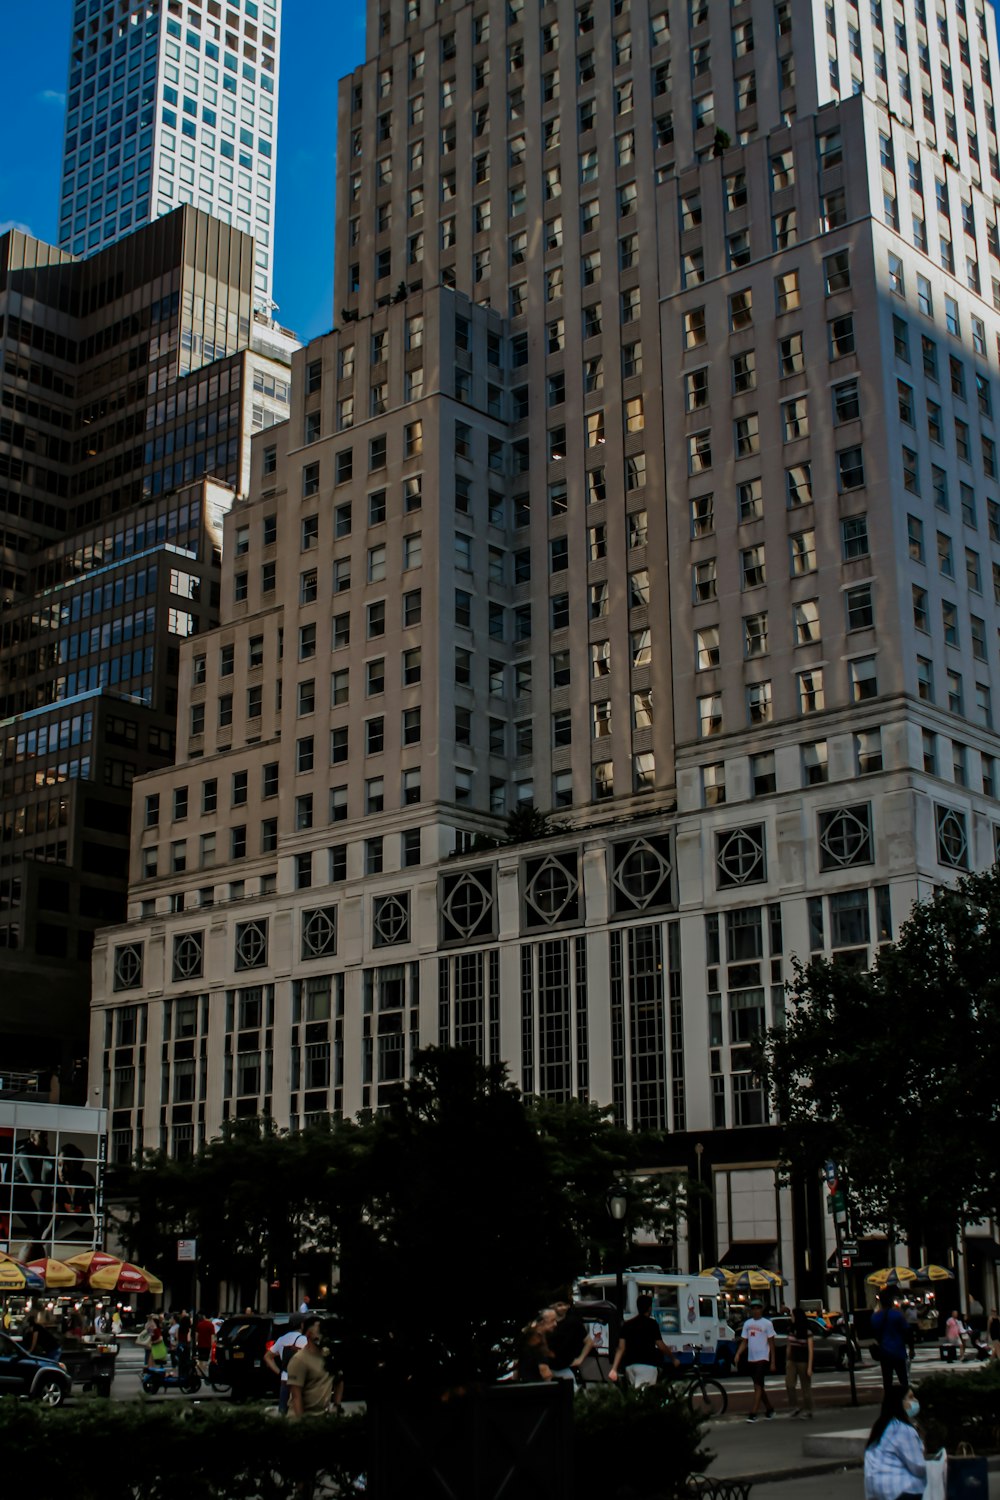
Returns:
<point x="310" y="1384"/>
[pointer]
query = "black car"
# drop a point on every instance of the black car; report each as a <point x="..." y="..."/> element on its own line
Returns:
<point x="237" y="1363"/>
<point x="34" y="1375"/>
<point x="237" y="1366"/>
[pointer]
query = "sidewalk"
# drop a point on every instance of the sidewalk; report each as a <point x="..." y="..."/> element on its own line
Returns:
<point x="775" y="1450"/>
<point x="793" y="1459"/>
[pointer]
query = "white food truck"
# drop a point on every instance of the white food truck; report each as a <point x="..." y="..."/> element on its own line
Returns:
<point x="691" y="1319"/>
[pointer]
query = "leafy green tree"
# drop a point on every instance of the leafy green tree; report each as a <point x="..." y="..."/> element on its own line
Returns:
<point x="587" y="1155"/>
<point x="527" y="823"/>
<point x="252" y="1199"/>
<point x="890" y="1072"/>
<point x="453" y="1214"/>
<point x="460" y="1230"/>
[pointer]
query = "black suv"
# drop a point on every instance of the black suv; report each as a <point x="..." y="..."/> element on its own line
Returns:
<point x="237" y="1362"/>
<point x="34" y="1375"/>
<point x="238" y="1367"/>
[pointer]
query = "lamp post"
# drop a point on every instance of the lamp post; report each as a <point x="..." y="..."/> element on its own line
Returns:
<point x="699" y="1151"/>
<point x="618" y="1209"/>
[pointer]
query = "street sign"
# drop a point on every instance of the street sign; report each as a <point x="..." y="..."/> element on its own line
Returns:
<point x="187" y="1249"/>
<point x="830" y="1170"/>
<point x="845" y="1261"/>
<point x="849" y="1248"/>
<point x="836" y="1204"/>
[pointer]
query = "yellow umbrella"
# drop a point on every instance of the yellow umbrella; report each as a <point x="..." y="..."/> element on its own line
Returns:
<point x="17" y="1277"/>
<point x="722" y="1276"/>
<point x="54" y="1272"/>
<point x="935" y="1273"/>
<point x="755" y="1280"/>
<point x="891" y="1276"/>
<point x="106" y="1273"/>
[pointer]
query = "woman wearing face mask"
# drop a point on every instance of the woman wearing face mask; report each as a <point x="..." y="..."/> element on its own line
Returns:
<point x="894" y="1457"/>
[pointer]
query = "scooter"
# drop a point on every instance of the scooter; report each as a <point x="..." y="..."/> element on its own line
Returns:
<point x="156" y="1378"/>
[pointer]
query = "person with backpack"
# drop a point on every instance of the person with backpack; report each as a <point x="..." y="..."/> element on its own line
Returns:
<point x="889" y="1327"/>
<point x="279" y="1357"/>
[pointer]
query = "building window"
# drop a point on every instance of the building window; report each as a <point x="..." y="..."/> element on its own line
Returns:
<point x="845" y="837"/>
<point x="740" y="856"/>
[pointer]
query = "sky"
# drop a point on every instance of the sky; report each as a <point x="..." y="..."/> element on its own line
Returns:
<point x="321" y="40"/>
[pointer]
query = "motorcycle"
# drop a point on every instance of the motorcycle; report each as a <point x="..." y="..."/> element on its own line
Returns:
<point x="156" y="1378"/>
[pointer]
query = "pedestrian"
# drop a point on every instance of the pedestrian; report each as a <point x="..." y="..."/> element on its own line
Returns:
<point x="204" y="1338"/>
<point x="310" y="1384"/>
<point x="184" y="1342"/>
<point x="173" y="1330"/>
<point x="894" y="1456"/>
<point x="304" y="1305"/>
<point x="757" y="1338"/>
<point x="280" y="1356"/>
<point x="116" y="1322"/>
<point x="889" y="1329"/>
<point x="151" y="1334"/>
<point x="640" y="1347"/>
<point x="910" y="1314"/>
<point x="41" y="1337"/>
<point x="73" y="1328"/>
<point x="534" y="1361"/>
<point x="954" y="1334"/>
<point x="569" y="1341"/>
<point x="799" y="1364"/>
<point x="993" y="1333"/>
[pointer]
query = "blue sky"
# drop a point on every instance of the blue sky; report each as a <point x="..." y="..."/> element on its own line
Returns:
<point x="320" y="41"/>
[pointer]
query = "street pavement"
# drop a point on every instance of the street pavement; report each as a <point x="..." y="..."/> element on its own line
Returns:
<point x="773" y="1453"/>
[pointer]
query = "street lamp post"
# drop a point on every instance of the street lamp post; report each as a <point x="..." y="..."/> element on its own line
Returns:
<point x="618" y="1209"/>
<point x="699" y="1151"/>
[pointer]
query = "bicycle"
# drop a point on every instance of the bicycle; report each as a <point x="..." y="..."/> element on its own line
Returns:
<point x="705" y="1397"/>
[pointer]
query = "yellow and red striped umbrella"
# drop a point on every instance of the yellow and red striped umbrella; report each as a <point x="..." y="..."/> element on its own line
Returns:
<point x="55" y="1273"/>
<point x="106" y="1273"/>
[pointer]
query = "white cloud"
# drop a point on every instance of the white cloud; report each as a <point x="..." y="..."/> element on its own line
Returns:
<point x="52" y="96"/>
<point x="7" y="224"/>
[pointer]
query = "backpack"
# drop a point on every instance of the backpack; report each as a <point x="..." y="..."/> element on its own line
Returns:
<point x="290" y="1350"/>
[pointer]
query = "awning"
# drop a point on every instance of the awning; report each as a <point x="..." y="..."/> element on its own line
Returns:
<point x="872" y="1255"/>
<point x="744" y="1255"/>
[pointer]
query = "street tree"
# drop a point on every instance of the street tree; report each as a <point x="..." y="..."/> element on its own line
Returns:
<point x="890" y="1071"/>
<point x="452" y="1213"/>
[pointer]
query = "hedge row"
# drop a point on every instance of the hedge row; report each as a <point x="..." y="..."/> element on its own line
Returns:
<point x="135" y="1451"/>
<point x="130" y="1451"/>
<point x="962" y="1409"/>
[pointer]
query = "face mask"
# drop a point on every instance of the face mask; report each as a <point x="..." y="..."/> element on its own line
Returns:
<point x="912" y="1408"/>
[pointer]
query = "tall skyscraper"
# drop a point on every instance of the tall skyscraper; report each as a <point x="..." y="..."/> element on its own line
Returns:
<point x="129" y="385"/>
<point x="166" y="104"/>
<point x="650" y="481"/>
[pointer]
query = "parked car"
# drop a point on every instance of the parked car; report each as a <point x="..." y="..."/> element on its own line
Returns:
<point x="237" y="1363"/>
<point x="830" y="1345"/>
<point x="237" y="1366"/>
<point x="35" y="1375"/>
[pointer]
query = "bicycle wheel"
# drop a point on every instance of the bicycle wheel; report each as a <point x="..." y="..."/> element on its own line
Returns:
<point x="707" y="1398"/>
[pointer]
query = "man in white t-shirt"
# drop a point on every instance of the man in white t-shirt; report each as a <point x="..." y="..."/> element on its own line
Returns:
<point x="757" y="1338"/>
<point x="279" y="1356"/>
